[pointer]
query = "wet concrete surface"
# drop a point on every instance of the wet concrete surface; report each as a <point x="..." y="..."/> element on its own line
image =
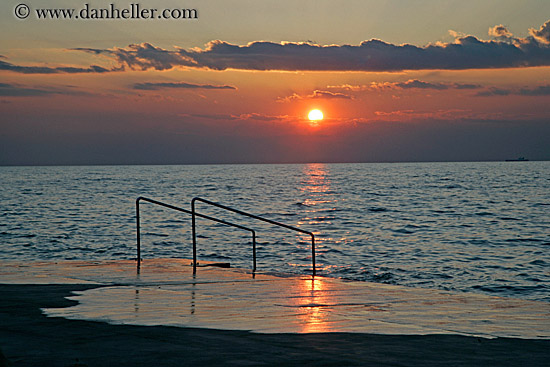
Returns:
<point x="166" y="292"/>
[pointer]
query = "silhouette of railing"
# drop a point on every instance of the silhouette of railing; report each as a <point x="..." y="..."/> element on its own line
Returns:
<point x="138" y="230"/>
<point x="194" y="213"/>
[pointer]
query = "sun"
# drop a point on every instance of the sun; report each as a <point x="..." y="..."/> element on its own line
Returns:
<point x="315" y="115"/>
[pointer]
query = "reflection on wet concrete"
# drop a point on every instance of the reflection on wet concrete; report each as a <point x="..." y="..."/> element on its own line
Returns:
<point x="167" y="293"/>
<point x="136" y="303"/>
<point x="313" y="301"/>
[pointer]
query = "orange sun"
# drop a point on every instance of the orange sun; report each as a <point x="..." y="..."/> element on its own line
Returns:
<point x="315" y="115"/>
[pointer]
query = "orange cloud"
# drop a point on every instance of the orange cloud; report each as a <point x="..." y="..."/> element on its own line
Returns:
<point x="317" y="94"/>
<point x="409" y="84"/>
<point x="500" y="31"/>
<point x="542" y="35"/>
<point x="179" y="85"/>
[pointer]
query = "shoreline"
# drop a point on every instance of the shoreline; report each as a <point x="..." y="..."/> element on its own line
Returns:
<point x="29" y="338"/>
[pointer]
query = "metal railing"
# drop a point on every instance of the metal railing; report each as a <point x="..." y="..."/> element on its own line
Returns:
<point x="138" y="230"/>
<point x="194" y="213"/>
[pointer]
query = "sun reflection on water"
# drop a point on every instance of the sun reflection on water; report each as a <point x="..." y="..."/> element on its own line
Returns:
<point x="320" y="206"/>
<point x="315" y="188"/>
<point x="316" y="181"/>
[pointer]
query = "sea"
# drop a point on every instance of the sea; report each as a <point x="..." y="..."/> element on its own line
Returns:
<point x="477" y="227"/>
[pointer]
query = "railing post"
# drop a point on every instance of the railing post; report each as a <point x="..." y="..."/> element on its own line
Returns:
<point x="138" y="234"/>
<point x="254" y="251"/>
<point x="313" y="253"/>
<point x="194" y="236"/>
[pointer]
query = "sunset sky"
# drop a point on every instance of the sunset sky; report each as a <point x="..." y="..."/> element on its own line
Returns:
<point x="396" y="80"/>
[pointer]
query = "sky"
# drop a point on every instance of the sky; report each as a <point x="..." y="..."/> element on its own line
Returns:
<point x="233" y="81"/>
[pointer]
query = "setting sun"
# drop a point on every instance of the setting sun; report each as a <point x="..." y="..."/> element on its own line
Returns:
<point x="315" y="115"/>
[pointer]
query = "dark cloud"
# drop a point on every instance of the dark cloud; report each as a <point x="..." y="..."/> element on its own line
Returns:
<point x="4" y="65"/>
<point x="179" y="85"/>
<point x="11" y="90"/>
<point x="466" y="52"/>
<point x="90" y="69"/>
<point x="142" y="57"/>
<point x="220" y="116"/>
<point x="542" y="90"/>
<point x="374" y="55"/>
<point x="466" y="86"/>
<point x="15" y="90"/>
<point x="494" y="92"/>
<point x="418" y="84"/>
<point x="241" y="117"/>
<point x="27" y="69"/>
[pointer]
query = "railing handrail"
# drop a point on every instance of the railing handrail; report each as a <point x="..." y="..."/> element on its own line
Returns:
<point x="221" y="206"/>
<point x="141" y="198"/>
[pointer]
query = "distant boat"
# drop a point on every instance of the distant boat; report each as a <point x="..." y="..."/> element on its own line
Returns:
<point x="520" y="159"/>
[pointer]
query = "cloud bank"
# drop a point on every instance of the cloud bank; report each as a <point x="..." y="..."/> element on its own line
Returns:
<point x="466" y="52"/>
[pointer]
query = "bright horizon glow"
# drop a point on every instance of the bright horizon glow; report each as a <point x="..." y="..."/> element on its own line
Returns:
<point x="315" y="115"/>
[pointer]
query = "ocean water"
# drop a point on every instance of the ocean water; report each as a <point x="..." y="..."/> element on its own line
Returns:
<point x="467" y="227"/>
